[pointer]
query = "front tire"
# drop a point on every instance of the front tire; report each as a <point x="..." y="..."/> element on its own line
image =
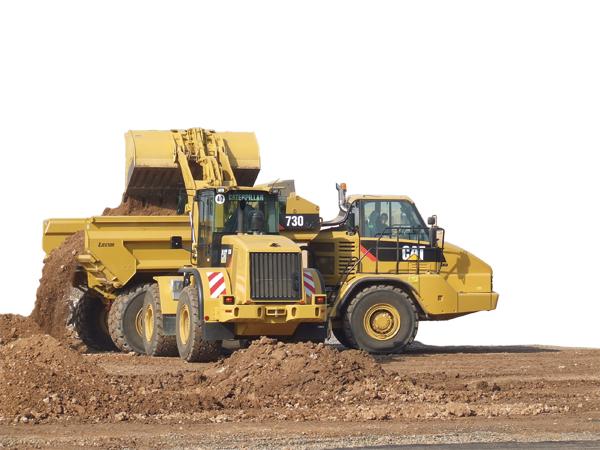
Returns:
<point x="381" y="319"/>
<point x="189" y="326"/>
<point x="156" y="342"/>
<point x="125" y="322"/>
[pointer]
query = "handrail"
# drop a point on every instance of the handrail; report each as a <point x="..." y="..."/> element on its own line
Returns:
<point x="413" y="230"/>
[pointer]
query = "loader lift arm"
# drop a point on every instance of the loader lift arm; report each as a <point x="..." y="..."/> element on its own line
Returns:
<point x="164" y="162"/>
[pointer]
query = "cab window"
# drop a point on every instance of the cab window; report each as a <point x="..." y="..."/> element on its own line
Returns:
<point x="389" y="218"/>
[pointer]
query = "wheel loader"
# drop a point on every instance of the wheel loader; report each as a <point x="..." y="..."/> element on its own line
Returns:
<point x="219" y="270"/>
<point x="384" y="268"/>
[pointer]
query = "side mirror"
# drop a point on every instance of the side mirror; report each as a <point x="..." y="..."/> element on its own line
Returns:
<point x="176" y="242"/>
<point x="432" y="222"/>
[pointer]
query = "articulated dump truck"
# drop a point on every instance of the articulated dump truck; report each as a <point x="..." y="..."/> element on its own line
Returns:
<point x="384" y="269"/>
<point x="219" y="270"/>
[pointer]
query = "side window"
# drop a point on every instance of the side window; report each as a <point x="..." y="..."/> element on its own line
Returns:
<point x="375" y="218"/>
<point x="353" y="217"/>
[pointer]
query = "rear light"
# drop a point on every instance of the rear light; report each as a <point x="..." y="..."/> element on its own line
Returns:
<point x="320" y="299"/>
<point x="228" y="299"/>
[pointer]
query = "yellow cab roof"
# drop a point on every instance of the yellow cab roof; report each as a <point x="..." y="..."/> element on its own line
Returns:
<point x="353" y="198"/>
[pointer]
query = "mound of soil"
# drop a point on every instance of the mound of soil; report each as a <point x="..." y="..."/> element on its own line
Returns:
<point x="52" y="306"/>
<point x="271" y="373"/>
<point x="143" y="207"/>
<point x="44" y="379"/>
<point x="13" y="326"/>
<point x="55" y="296"/>
<point x="308" y="381"/>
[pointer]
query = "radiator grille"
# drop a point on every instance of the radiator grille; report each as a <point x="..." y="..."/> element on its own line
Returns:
<point x="346" y="258"/>
<point x="275" y="276"/>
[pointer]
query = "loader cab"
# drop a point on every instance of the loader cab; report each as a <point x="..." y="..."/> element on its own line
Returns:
<point x="232" y="212"/>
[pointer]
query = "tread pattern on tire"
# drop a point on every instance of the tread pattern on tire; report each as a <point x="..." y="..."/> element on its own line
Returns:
<point x="340" y="335"/>
<point x="85" y="322"/>
<point x="346" y="320"/>
<point x="161" y="345"/>
<point x="201" y="350"/>
<point x="115" y="323"/>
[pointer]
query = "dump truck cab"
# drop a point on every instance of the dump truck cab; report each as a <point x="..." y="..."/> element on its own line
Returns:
<point x="385" y="269"/>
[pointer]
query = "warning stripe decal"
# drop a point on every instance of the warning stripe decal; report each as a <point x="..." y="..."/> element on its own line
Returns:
<point x="368" y="254"/>
<point x="216" y="284"/>
<point x="309" y="284"/>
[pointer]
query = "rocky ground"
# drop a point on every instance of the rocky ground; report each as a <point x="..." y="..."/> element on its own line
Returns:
<point x="282" y="395"/>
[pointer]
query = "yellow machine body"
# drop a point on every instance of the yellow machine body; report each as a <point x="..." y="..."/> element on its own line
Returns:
<point x="124" y="251"/>
<point x="154" y="159"/>
<point x="458" y="283"/>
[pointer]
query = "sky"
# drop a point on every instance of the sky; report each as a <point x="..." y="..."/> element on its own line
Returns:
<point x="484" y="113"/>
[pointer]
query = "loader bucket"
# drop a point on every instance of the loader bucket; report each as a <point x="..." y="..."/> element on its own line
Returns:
<point x="150" y="167"/>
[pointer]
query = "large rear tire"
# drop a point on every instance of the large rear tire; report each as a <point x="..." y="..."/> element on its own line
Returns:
<point x="381" y="319"/>
<point x="90" y="322"/>
<point x="125" y="322"/>
<point x="190" y="344"/>
<point x="156" y="343"/>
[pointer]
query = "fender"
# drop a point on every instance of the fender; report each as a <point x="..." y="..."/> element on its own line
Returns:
<point x="211" y="331"/>
<point x="343" y="302"/>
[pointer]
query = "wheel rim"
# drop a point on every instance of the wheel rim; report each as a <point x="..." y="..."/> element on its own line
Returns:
<point x="139" y="322"/>
<point x="184" y="324"/>
<point x="382" y="321"/>
<point x="149" y="323"/>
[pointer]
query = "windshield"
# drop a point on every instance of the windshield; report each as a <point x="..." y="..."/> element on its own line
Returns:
<point x="392" y="218"/>
<point x="246" y="212"/>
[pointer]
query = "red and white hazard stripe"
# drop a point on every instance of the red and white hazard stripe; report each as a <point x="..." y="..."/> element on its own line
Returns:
<point x="216" y="284"/>
<point x="309" y="284"/>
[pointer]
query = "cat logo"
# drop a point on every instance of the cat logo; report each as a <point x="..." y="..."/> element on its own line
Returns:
<point x="106" y="244"/>
<point x="409" y="251"/>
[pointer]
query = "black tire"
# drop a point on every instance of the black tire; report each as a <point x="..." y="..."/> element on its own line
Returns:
<point x="156" y="343"/>
<point x="340" y="335"/>
<point x="90" y="322"/>
<point x="125" y="319"/>
<point x="191" y="346"/>
<point x="391" y="308"/>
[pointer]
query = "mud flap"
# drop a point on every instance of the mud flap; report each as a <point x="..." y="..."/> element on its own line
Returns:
<point x="169" y="324"/>
<point x="218" y="331"/>
<point x="314" y="332"/>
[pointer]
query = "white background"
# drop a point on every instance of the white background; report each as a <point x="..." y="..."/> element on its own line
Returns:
<point x="485" y="113"/>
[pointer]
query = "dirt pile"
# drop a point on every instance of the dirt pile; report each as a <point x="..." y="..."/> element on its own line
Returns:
<point x="44" y="380"/>
<point x="13" y="326"/>
<point x="55" y="297"/>
<point x="52" y="305"/>
<point x="271" y="374"/>
<point x="143" y="207"/>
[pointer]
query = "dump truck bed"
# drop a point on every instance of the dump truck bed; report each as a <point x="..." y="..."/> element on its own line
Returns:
<point x="118" y="248"/>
